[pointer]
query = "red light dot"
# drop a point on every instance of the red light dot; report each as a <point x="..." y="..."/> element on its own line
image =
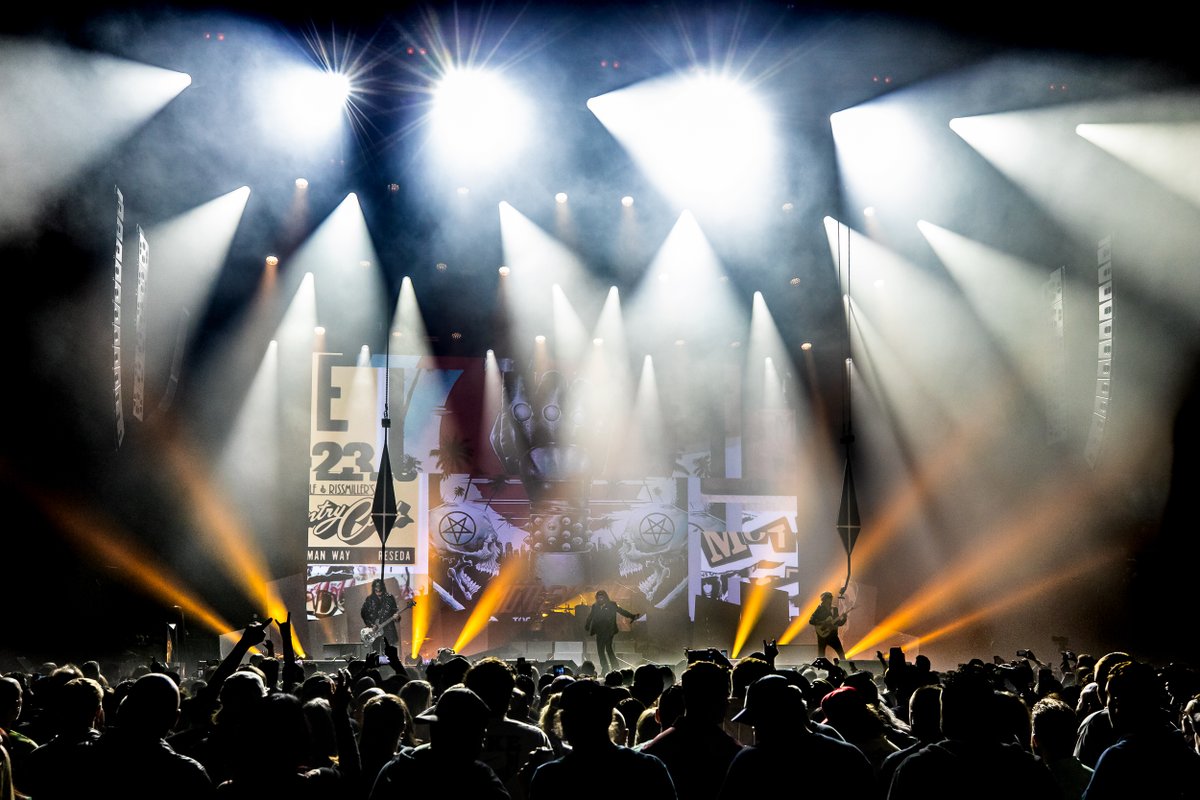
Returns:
<point x="220" y="37"/>
<point x="422" y="51"/>
<point x="616" y="65"/>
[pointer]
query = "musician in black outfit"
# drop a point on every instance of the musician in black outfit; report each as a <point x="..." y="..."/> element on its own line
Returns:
<point x="602" y="623"/>
<point x="380" y="606"/>
<point x="827" y="620"/>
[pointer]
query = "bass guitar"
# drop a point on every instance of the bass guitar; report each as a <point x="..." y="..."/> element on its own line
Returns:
<point x="372" y="632"/>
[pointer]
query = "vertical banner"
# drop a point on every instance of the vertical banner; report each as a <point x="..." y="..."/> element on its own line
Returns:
<point x="346" y="444"/>
<point x="139" y="352"/>
<point x="118" y="266"/>
<point x="347" y="439"/>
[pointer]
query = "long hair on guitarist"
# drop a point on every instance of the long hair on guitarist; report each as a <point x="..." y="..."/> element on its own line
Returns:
<point x="826" y="619"/>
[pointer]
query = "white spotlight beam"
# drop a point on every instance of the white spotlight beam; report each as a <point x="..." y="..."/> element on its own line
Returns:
<point x="63" y="110"/>
<point x="537" y="262"/>
<point x="705" y="140"/>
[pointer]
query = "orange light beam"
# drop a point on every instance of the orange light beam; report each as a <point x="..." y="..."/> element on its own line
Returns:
<point x="1024" y="595"/>
<point x="752" y="607"/>
<point x="422" y="614"/>
<point x="244" y="563"/>
<point x="510" y="572"/>
<point x="105" y="541"/>
<point x="902" y="506"/>
<point x="1010" y="542"/>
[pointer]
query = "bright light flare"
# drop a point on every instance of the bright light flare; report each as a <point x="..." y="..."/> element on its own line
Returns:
<point x="307" y="102"/>
<point x="706" y="140"/>
<point x="478" y="118"/>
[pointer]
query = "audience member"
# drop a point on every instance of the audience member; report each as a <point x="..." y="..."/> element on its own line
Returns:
<point x="924" y="722"/>
<point x="786" y="749"/>
<point x="846" y="710"/>
<point x="61" y="769"/>
<point x="1095" y="731"/>
<point x="595" y="764"/>
<point x="507" y="741"/>
<point x="975" y="758"/>
<point x="1147" y="747"/>
<point x="458" y="724"/>
<point x="133" y="759"/>
<point x="695" y="748"/>
<point x="1053" y="741"/>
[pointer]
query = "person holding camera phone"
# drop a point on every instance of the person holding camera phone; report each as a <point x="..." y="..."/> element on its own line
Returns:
<point x="602" y="623"/>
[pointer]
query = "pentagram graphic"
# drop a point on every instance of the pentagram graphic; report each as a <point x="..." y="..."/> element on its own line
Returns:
<point x="457" y="528"/>
<point x="657" y="529"/>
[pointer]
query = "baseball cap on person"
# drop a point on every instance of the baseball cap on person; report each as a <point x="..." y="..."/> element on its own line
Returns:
<point x="843" y="698"/>
<point x="457" y="705"/>
<point x="770" y="695"/>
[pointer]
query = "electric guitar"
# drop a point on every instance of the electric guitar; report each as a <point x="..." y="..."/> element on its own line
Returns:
<point x="370" y="633"/>
<point x="828" y="627"/>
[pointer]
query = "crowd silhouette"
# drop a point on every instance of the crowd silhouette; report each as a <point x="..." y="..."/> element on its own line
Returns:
<point x="1086" y="727"/>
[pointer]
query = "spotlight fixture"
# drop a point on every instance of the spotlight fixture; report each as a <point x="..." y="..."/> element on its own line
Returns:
<point x="456" y="335"/>
<point x="627" y="201"/>
<point x="540" y="339"/>
<point x="272" y="261"/>
<point x="795" y="281"/>
<point x="560" y="198"/>
<point x="301" y="183"/>
<point x="806" y="346"/>
<point x="441" y="266"/>
<point x="504" y="272"/>
<point x="463" y="191"/>
<point x="319" y="330"/>
<point x="787" y="207"/>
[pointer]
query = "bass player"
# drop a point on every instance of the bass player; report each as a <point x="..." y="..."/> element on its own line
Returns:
<point x="826" y="620"/>
<point x="379" y="612"/>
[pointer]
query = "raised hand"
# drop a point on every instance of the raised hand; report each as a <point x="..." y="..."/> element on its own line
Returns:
<point x="256" y="632"/>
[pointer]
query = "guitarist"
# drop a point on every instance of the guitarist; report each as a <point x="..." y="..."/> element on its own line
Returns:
<point x="380" y="607"/>
<point x="826" y="620"/>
